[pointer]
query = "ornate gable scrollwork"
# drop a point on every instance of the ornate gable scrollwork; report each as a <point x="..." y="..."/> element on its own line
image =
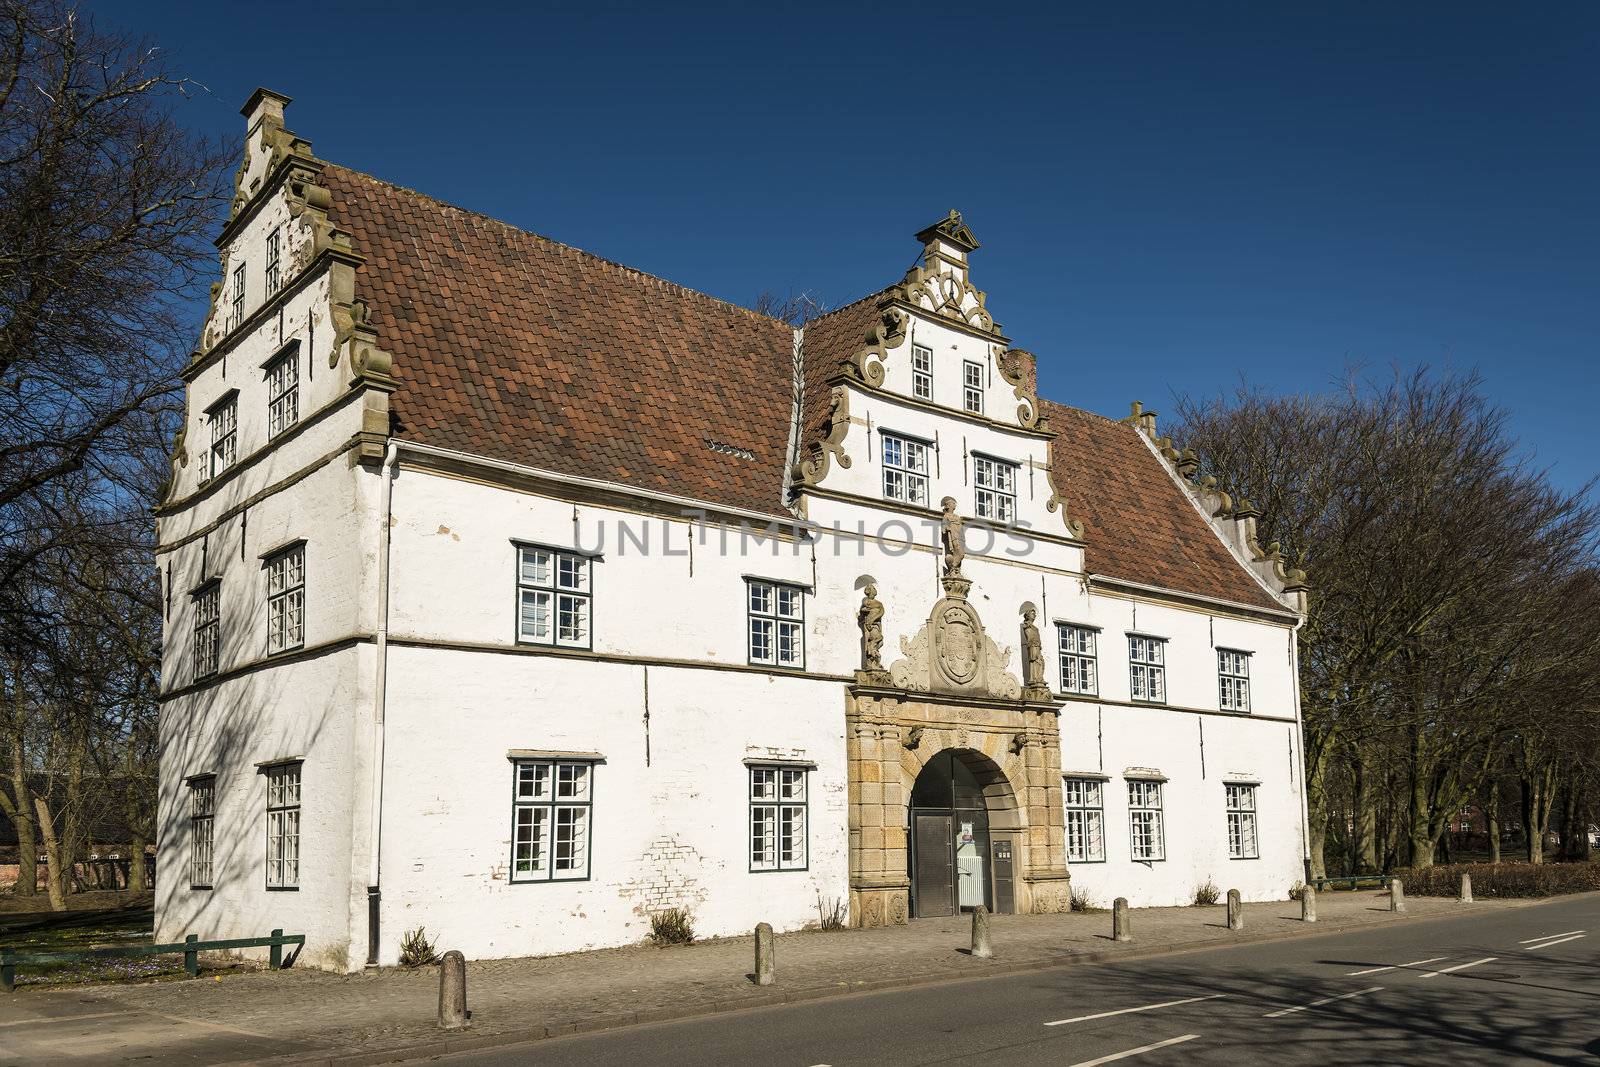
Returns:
<point x="945" y="294"/>
<point x="811" y="468"/>
<point x="1008" y="361"/>
<point x="889" y="331"/>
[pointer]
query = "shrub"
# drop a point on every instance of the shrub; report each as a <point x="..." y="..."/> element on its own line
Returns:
<point x="674" y="926"/>
<point x="1297" y="890"/>
<point x="416" y="950"/>
<point x="832" y="913"/>
<point x="1080" y="901"/>
<point x="1503" y="879"/>
<point x="1205" y="894"/>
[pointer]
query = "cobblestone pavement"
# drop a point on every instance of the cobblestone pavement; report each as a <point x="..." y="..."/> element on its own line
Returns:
<point x="260" y="1015"/>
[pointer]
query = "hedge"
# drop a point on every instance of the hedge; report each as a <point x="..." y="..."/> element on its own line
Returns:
<point x="1503" y="879"/>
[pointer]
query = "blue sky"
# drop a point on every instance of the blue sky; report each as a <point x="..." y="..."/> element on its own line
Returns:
<point x="1171" y="197"/>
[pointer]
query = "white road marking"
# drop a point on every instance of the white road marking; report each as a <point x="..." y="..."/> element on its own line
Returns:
<point x="1458" y="967"/>
<point x="1394" y="967"/>
<point x="1319" y="1003"/>
<point x="1125" y="1011"/>
<point x="1557" y="941"/>
<point x="1136" y="1051"/>
<point x="1545" y="937"/>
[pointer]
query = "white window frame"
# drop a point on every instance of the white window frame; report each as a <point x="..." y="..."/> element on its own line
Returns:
<point x="922" y="372"/>
<point x="905" y="468"/>
<point x="972" y="386"/>
<point x="1244" y="841"/>
<point x="223" y="420"/>
<point x="274" y="272"/>
<point x="1147" y="842"/>
<point x="995" y="484"/>
<point x="1233" y="680"/>
<point x="552" y="819"/>
<point x="1147" y="669"/>
<point x="780" y="817"/>
<point x="1084" y="802"/>
<point x="238" y="297"/>
<point x="555" y="596"/>
<point x="283" y="825"/>
<point x="1078" y="660"/>
<point x="283" y="392"/>
<point x="775" y="624"/>
<point x="202" y="831"/>
<point x="286" y="599"/>
<point x="207" y="602"/>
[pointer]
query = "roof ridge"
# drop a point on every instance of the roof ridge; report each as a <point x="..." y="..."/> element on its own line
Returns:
<point x="562" y="246"/>
<point x="1080" y="411"/>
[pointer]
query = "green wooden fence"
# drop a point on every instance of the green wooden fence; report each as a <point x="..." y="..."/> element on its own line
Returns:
<point x="1372" y="881"/>
<point x="190" y="947"/>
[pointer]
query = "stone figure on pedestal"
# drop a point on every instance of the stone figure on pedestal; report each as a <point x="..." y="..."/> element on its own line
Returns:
<point x="870" y="619"/>
<point x="955" y="550"/>
<point x="1033" y="684"/>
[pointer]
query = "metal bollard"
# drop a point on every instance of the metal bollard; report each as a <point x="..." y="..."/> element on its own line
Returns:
<point x="1465" y="896"/>
<point x="980" y="933"/>
<point x="453" y="991"/>
<point x="191" y="956"/>
<point x="764" y="954"/>
<point x="1235" y="911"/>
<point x="1308" y="905"/>
<point x="1121" y="925"/>
<point x="1397" y="895"/>
<point x="275" y="953"/>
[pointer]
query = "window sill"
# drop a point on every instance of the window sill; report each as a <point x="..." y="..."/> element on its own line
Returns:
<point x="283" y="889"/>
<point x="205" y="888"/>
<point x="779" y="870"/>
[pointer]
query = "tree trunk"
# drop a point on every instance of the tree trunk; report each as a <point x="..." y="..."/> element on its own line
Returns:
<point x="55" y="879"/>
<point x="1316" y="820"/>
<point x="1421" y="839"/>
<point x="1366" y="820"/>
<point x="137" y="879"/>
<point x="1491" y="820"/>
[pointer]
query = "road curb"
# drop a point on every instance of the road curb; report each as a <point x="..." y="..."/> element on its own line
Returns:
<point x="469" y="1042"/>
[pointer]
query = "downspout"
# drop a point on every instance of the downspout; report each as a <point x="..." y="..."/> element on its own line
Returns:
<point x="379" y="698"/>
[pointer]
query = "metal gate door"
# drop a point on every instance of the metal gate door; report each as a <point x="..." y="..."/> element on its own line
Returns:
<point x="935" y="877"/>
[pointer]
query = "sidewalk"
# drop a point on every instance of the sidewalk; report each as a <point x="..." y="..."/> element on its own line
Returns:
<point x="312" y="1016"/>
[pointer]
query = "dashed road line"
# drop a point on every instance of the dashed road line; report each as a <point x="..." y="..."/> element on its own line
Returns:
<point x="1557" y="941"/>
<point x="1394" y="967"/>
<point x="1458" y="967"/>
<point x="1135" y="1051"/>
<point x="1319" y="1003"/>
<point x="1546" y="937"/>
<point x="1127" y="1011"/>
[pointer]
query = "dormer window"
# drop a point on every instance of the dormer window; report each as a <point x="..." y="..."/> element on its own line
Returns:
<point x="905" y="469"/>
<point x="922" y="372"/>
<point x="238" y="297"/>
<point x="972" y="378"/>
<point x="283" y="393"/>
<point x="997" y="489"/>
<point x="224" y="420"/>
<point x="274" y="250"/>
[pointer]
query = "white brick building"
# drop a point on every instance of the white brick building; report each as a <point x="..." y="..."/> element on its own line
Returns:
<point x="517" y="594"/>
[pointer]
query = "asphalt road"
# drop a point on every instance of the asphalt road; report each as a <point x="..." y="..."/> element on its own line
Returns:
<point x="1501" y="987"/>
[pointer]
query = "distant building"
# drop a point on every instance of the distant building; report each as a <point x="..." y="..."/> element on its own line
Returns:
<point x="520" y="595"/>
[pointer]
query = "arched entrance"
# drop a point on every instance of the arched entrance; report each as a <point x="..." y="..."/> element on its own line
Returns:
<point x="962" y="823"/>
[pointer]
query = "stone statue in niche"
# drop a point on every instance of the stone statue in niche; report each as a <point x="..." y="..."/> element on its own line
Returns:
<point x="955" y="550"/>
<point x="870" y="619"/>
<point x="1033" y="683"/>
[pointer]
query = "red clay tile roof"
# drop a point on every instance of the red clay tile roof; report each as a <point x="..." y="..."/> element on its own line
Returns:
<point x="1138" y="525"/>
<point x="510" y="345"/>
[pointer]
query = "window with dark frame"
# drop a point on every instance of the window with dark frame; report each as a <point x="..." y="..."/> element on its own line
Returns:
<point x="996" y="483"/>
<point x="778" y="818"/>
<point x="1084" y="799"/>
<point x="1079" y="665"/>
<point x="238" y="298"/>
<point x="1242" y="843"/>
<point x="552" y="802"/>
<point x="1147" y="841"/>
<point x="202" y="825"/>
<point x="224" y="422"/>
<point x="905" y="469"/>
<point x="207" y="629"/>
<point x="283" y="393"/>
<point x="274" y="249"/>
<point x="922" y="372"/>
<point x="286" y="599"/>
<point x="972" y="380"/>
<point x="1233" y="679"/>
<point x="1147" y="671"/>
<point x="777" y="627"/>
<point x="553" y="597"/>
<point x="283" y="826"/>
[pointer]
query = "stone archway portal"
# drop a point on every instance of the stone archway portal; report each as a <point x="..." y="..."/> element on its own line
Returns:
<point x="960" y="857"/>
